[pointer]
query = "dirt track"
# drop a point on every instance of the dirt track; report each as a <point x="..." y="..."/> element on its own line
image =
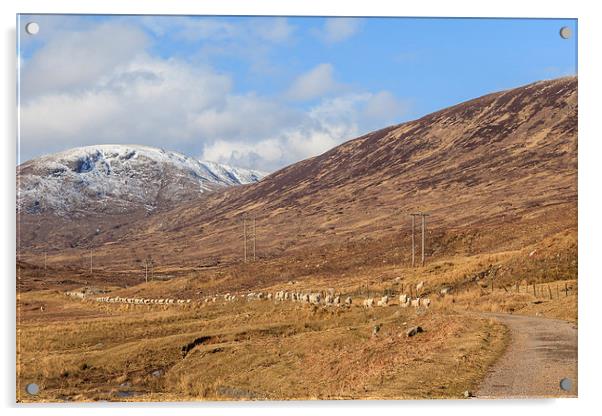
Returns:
<point x="541" y="352"/>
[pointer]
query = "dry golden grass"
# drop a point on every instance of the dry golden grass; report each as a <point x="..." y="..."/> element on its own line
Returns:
<point x="253" y="350"/>
<point x="550" y="300"/>
<point x="83" y="350"/>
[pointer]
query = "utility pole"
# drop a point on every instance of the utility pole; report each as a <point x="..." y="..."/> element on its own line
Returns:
<point x="254" y="239"/>
<point x="244" y="234"/>
<point x="423" y="216"/>
<point x="413" y="239"/>
<point x="423" y="230"/>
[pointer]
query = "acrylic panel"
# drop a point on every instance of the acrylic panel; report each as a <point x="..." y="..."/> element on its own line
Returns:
<point x="295" y="208"/>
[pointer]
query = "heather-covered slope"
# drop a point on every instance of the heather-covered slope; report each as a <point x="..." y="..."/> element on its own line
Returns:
<point x="500" y="170"/>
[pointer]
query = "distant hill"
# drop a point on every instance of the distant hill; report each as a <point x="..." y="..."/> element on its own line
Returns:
<point x="111" y="183"/>
<point x="118" y="179"/>
<point x="502" y="167"/>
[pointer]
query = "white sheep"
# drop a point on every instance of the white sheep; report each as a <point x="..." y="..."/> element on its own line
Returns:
<point x="383" y="301"/>
<point x="368" y="303"/>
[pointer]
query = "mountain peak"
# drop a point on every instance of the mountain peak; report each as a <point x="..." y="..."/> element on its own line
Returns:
<point x="115" y="178"/>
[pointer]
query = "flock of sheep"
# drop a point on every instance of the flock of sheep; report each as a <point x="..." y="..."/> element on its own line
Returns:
<point x="142" y="301"/>
<point x="327" y="298"/>
<point x="135" y="301"/>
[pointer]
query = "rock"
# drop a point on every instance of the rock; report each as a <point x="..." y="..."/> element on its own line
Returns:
<point x="446" y="290"/>
<point x="157" y="373"/>
<point x="468" y="394"/>
<point x="375" y="330"/>
<point x="414" y="330"/>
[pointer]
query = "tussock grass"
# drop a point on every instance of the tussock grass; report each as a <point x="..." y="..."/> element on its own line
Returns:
<point x="255" y="350"/>
<point x="83" y="350"/>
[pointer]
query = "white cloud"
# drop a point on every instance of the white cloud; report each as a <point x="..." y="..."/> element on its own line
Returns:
<point x="338" y="29"/>
<point x="310" y="133"/>
<point x="113" y="91"/>
<point x="277" y="30"/>
<point x="195" y="29"/>
<point x="75" y="59"/>
<point x="315" y="83"/>
<point x="385" y="107"/>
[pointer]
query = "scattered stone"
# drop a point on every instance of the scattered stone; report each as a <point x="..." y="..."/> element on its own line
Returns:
<point x="413" y="331"/>
<point x="375" y="330"/>
<point x="157" y="373"/>
<point x="468" y="394"/>
<point x="446" y="290"/>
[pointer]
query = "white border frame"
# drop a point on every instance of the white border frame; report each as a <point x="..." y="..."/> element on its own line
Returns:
<point x="589" y="27"/>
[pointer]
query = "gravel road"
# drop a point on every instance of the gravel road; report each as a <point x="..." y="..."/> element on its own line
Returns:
<point x="541" y="352"/>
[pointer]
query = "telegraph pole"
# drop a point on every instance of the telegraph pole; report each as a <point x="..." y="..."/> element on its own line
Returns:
<point x="254" y="239"/>
<point x="244" y="235"/>
<point x="413" y="239"/>
<point x="423" y="229"/>
<point x="423" y="216"/>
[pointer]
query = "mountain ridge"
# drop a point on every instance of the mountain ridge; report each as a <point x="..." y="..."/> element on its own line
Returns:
<point x="118" y="179"/>
<point x="496" y="171"/>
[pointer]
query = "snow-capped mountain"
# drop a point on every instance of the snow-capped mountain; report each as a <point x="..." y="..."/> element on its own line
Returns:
<point x="116" y="179"/>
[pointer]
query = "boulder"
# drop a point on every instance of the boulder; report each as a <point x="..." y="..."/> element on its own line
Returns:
<point x="413" y="331"/>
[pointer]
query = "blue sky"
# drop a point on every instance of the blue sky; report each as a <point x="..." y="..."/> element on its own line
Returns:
<point x="264" y="92"/>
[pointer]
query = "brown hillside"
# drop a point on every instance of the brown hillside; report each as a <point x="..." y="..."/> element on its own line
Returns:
<point x="497" y="172"/>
